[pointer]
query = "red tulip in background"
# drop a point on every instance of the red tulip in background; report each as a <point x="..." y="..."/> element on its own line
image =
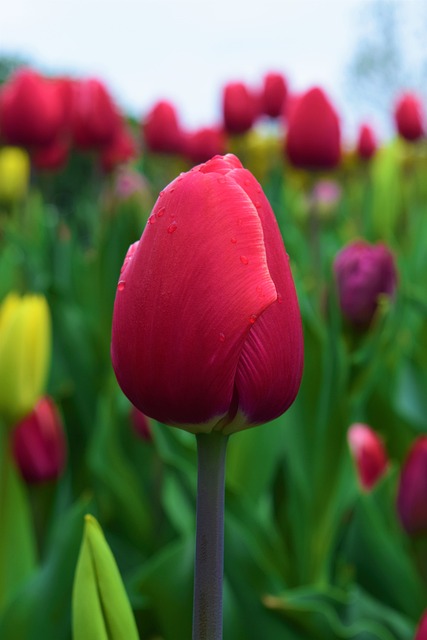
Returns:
<point x="366" y="142"/>
<point x="274" y="93"/>
<point x="120" y="150"/>
<point x="369" y="454"/>
<point x="161" y="129"/>
<point x="213" y="342"/>
<point x="313" y="138"/>
<point x="39" y="444"/>
<point x="363" y="272"/>
<point x="95" y="118"/>
<point x="204" y="144"/>
<point x="240" y="107"/>
<point x="421" y="633"/>
<point x="408" y="117"/>
<point x="412" y="493"/>
<point x="31" y="110"/>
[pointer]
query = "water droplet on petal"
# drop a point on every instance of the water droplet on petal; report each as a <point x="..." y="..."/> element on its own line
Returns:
<point x="233" y="240"/>
<point x="258" y="189"/>
<point x="247" y="182"/>
<point x="152" y="219"/>
<point x="252" y="318"/>
<point x="172" y="227"/>
<point x="222" y="337"/>
<point x="244" y="260"/>
<point x="258" y="204"/>
<point x="161" y="194"/>
<point x="121" y="285"/>
<point x="161" y="212"/>
<point x="279" y="298"/>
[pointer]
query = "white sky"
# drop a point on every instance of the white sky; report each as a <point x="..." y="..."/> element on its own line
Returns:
<point x="184" y="50"/>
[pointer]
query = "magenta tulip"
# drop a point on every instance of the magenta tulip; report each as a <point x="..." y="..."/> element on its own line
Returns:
<point x="121" y="149"/>
<point x="161" y="129"/>
<point x="206" y="325"/>
<point x="95" y="118"/>
<point x="408" y="117"/>
<point x="363" y="272"/>
<point x="421" y="632"/>
<point x="412" y="493"/>
<point x="313" y="138"/>
<point x="369" y="454"/>
<point x="366" y="142"/>
<point x="274" y="94"/>
<point x="240" y="107"/>
<point x="204" y="144"/>
<point x="39" y="444"/>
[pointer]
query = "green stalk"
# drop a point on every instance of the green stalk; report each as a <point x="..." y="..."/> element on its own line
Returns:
<point x="209" y="562"/>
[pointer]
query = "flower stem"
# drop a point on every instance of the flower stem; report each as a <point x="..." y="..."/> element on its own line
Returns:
<point x="209" y="564"/>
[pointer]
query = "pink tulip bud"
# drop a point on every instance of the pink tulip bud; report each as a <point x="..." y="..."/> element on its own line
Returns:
<point x="204" y="144"/>
<point x="95" y="118"/>
<point x="366" y="142"/>
<point x="140" y="424"/>
<point x="363" y="272"/>
<point x="240" y="107"/>
<point x="369" y="454"/>
<point x="313" y="139"/>
<point x="274" y="94"/>
<point x="421" y="633"/>
<point x="408" y="116"/>
<point x="206" y="325"/>
<point x="412" y="493"/>
<point x="31" y="110"/>
<point x="39" y="444"/>
<point x="161" y="129"/>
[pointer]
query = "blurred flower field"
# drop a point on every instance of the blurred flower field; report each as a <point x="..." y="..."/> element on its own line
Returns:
<point x="326" y="505"/>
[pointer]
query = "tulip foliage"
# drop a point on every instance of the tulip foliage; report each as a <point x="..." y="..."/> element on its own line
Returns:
<point x="120" y="257"/>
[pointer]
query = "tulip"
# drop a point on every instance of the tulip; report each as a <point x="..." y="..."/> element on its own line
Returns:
<point x="14" y="173"/>
<point x="51" y="158"/>
<point x="240" y="107"/>
<point x="366" y="142"/>
<point x="204" y="144"/>
<point x="120" y="150"/>
<point x="39" y="445"/>
<point x="369" y="454"/>
<point x="31" y="111"/>
<point x="140" y="424"/>
<point x="274" y="94"/>
<point x="363" y="272"/>
<point x="412" y="492"/>
<point x="313" y="138"/>
<point x="206" y="325"/>
<point x="421" y="632"/>
<point x="161" y="129"/>
<point x="95" y="118"/>
<point x="408" y="117"/>
<point x="24" y="354"/>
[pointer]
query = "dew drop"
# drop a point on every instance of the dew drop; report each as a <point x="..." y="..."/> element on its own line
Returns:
<point x="161" y="194"/>
<point x="121" y="285"/>
<point x="161" y="212"/>
<point x="172" y="189"/>
<point x="279" y="298"/>
<point x="258" y="204"/>
<point x="172" y="227"/>
<point x="222" y="337"/>
<point x="233" y="240"/>
<point x="151" y="219"/>
<point x="258" y="189"/>
<point x="247" y="182"/>
<point x="252" y="318"/>
<point x="244" y="260"/>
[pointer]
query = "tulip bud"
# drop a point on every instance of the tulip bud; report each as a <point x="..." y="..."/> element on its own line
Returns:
<point x="274" y="94"/>
<point x="366" y="142"/>
<point x="421" y="632"/>
<point x="363" y="272"/>
<point x="95" y="118"/>
<point x="39" y="444"/>
<point x="206" y="325"/>
<point x="204" y="144"/>
<point x="313" y="139"/>
<point x="240" y="108"/>
<point x="120" y="150"/>
<point x="408" y="117"/>
<point x="24" y="353"/>
<point x="31" y="111"/>
<point x="140" y="424"/>
<point x="161" y="129"/>
<point x="101" y="608"/>
<point x="14" y="173"/>
<point x="412" y="492"/>
<point x="369" y="454"/>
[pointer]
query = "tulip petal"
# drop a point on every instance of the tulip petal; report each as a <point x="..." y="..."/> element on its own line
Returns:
<point x="193" y="287"/>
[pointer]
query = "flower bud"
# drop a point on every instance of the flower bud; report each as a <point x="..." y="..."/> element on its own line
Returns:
<point x="274" y="94"/>
<point x="121" y="149"/>
<point x="25" y="341"/>
<point x="14" y="174"/>
<point x="363" y="272"/>
<point x="206" y="325"/>
<point x="240" y="107"/>
<point x="161" y="130"/>
<point x="39" y="444"/>
<point x="313" y="138"/>
<point x="408" y="117"/>
<point x="412" y="492"/>
<point x="140" y="424"/>
<point x="94" y="118"/>
<point x="366" y="142"/>
<point x="204" y="144"/>
<point x="369" y="454"/>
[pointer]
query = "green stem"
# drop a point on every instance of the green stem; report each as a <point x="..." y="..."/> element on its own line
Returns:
<point x="209" y="563"/>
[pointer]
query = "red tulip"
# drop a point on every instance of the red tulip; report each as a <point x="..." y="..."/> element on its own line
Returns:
<point x="369" y="454"/>
<point x="140" y="424"/>
<point x="274" y="94"/>
<point x="161" y="129"/>
<point x="120" y="150"/>
<point x="39" y="444"/>
<point x="412" y="493"/>
<point x="240" y="107"/>
<point x="204" y="144"/>
<point x="31" y="110"/>
<point x="421" y="633"/>
<point x="206" y="325"/>
<point x="366" y="142"/>
<point x="313" y="138"/>
<point x="409" y="117"/>
<point x="363" y="272"/>
<point x="51" y="158"/>
<point x="95" y="118"/>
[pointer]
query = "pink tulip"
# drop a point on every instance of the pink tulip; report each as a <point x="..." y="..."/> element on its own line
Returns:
<point x="313" y="138"/>
<point x="206" y="325"/>
<point x="412" y="493"/>
<point x="95" y="118"/>
<point x="39" y="444"/>
<point x="161" y="129"/>
<point x="366" y="142"/>
<point x="274" y="94"/>
<point x="240" y="107"/>
<point x="421" y="633"/>
<point x="369" y="454"/>
<point x="204" y="144"/>
<point x="408" y="117"/>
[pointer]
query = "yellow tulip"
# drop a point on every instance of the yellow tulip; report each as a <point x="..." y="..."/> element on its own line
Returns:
<point x="25" y="345"/>
<point x="14" y="173"/>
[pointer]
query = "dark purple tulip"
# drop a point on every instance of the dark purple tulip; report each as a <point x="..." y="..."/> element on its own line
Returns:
<point x="412" y="493"/>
